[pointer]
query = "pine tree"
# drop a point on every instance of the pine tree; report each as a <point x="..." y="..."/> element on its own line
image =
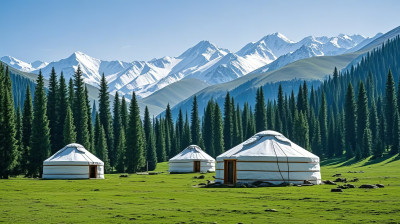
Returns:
<point x="105" y="118"/>
<point x="124" y="114"/>
<point x="80" y="110"/>
<point x="380" y="143"/>
<point x="323" y="122"/>
<point x="63" y="105"/>
<point x="260" y="111"/>
<point x="208" y="129"/>
<point x="27" y="118"/>
<point x="69" y="133"/>
<point x="316" y="141"/>
<point x="160" y="142"/>
<point x="101" y="149"/>
<point x="151" y="152"/>
<point x="195" y="121"/>
<point x="180" y="129"/>
<point x="117" y="123"/>
<point x="89" y="122"/>
<point x="339" y="140"/>
<point x="228" y="125"/>
<point x="135" y="160"/>
<point x="187" y="136"/>
<point x="121" y="150"/>
<point x="301" y="130"/>
<point x="362" y="116"/>
<point x="350" y="122"/>
<point x="280" y="115"/>
<point x="40" y="138"/>
<point x="71" y="93"/>
<point x="374" y="125"/>
<point x="396" y="134"/>
<point x="52" y="111"/>
<point x="331" y="136"/>
<point x="169" y="124"/>
<point x="270" y="117"/>
<point x="367" y="143"/>
<point x="218" y="138"/>
<point x="239" y="134"/>
<point x="18" y="137"/>
<point x="8" y="141"/>
<point x="390" y="108"/>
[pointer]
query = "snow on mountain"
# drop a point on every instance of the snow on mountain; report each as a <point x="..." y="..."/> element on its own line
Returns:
<point x="18" y="64"/>
<point x="204" y="61"/>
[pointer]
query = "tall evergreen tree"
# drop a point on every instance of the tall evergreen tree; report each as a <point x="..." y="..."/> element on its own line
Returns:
<point x="260" y="111"/>
<point x="8" y="141"/>
<point x="63" y="105"/>
<point x="323" y="123"/>
<point x="239" y="134"/>
<point x="396" y="134"/>
<point x="80" y="110"/>
<point x="52" y="111"/>
<point x="350" y="122"/>
<point x="105" y="118"/>
<point x="117" y="123"/>
<point x="208" y="129"/>
<point x="101" y="149"/>
<point x="135" y="160"/>
<point x="151" y="152"/>
<point x="362" y="119"/>
<point x="169" y="125"/>
<point x="228" y="125"/>
<point x="71" y="94"/>
<point x="281" y="116"/>
<point x="69" y="133"/>
<point x="27" y="118"/>
<point x="270" y="116"/>
<point x="40" y="137"/>
<point x="180" y="130"/>
<point x="89" y="121"/>
<point x="218" y="132"/>
<point x="160" y="142"/>
<point x="124" y="114"/>
<point x="390" y="108"/>
<point x="366" y="143"/>
<point x="195" y="123"/>
<point x="121" y="151"/>
<point x="187" y="136"/>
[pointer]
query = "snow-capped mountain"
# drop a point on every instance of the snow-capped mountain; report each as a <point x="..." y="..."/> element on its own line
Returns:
<point x="204" y="61"/>
<point x="23" y="66"/>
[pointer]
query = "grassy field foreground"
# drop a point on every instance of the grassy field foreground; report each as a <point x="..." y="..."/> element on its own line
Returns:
<point x="166" y="198"/>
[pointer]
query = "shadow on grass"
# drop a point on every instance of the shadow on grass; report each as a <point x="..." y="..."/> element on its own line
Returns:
<point x="343" y="161"/>
<point x="333" y="161"/>
<point x="373" y="160"/>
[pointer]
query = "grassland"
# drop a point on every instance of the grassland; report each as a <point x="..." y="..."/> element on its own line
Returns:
<point x="166" y="198"/>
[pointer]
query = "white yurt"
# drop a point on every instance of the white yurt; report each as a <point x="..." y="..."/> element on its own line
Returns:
<point x="268" y="156"/>
<point x="73" y="162"/>
<point x="192" y="160"/>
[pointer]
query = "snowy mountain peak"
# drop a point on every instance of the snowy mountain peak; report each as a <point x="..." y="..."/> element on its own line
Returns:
<point x="277" y="36"/>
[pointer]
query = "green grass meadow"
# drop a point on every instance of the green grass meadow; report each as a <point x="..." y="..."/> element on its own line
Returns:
<point x="172" y="198"/>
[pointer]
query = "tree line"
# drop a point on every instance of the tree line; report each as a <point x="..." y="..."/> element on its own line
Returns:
<point x="354" y="114"/>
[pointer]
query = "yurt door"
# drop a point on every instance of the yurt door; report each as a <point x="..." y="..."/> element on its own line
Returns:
<point x="229" y="171"/>
<point x="92" y="171"/>
<point x="196" y="166"/>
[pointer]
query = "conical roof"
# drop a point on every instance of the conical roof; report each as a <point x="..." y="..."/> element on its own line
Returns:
<point x="269" y="146"/>
<point x="192" y="153"/>
<point x="73" y="154"/>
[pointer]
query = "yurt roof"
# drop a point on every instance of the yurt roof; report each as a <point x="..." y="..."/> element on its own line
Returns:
<point x="192" y="153"/>
<point x="73" y="154"/>
<point x="269" y="146"/>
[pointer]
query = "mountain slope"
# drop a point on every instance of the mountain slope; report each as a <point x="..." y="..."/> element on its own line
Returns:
<point x="315" y="68"/>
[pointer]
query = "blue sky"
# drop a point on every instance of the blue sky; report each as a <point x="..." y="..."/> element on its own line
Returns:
<point x="142" y="30"/>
